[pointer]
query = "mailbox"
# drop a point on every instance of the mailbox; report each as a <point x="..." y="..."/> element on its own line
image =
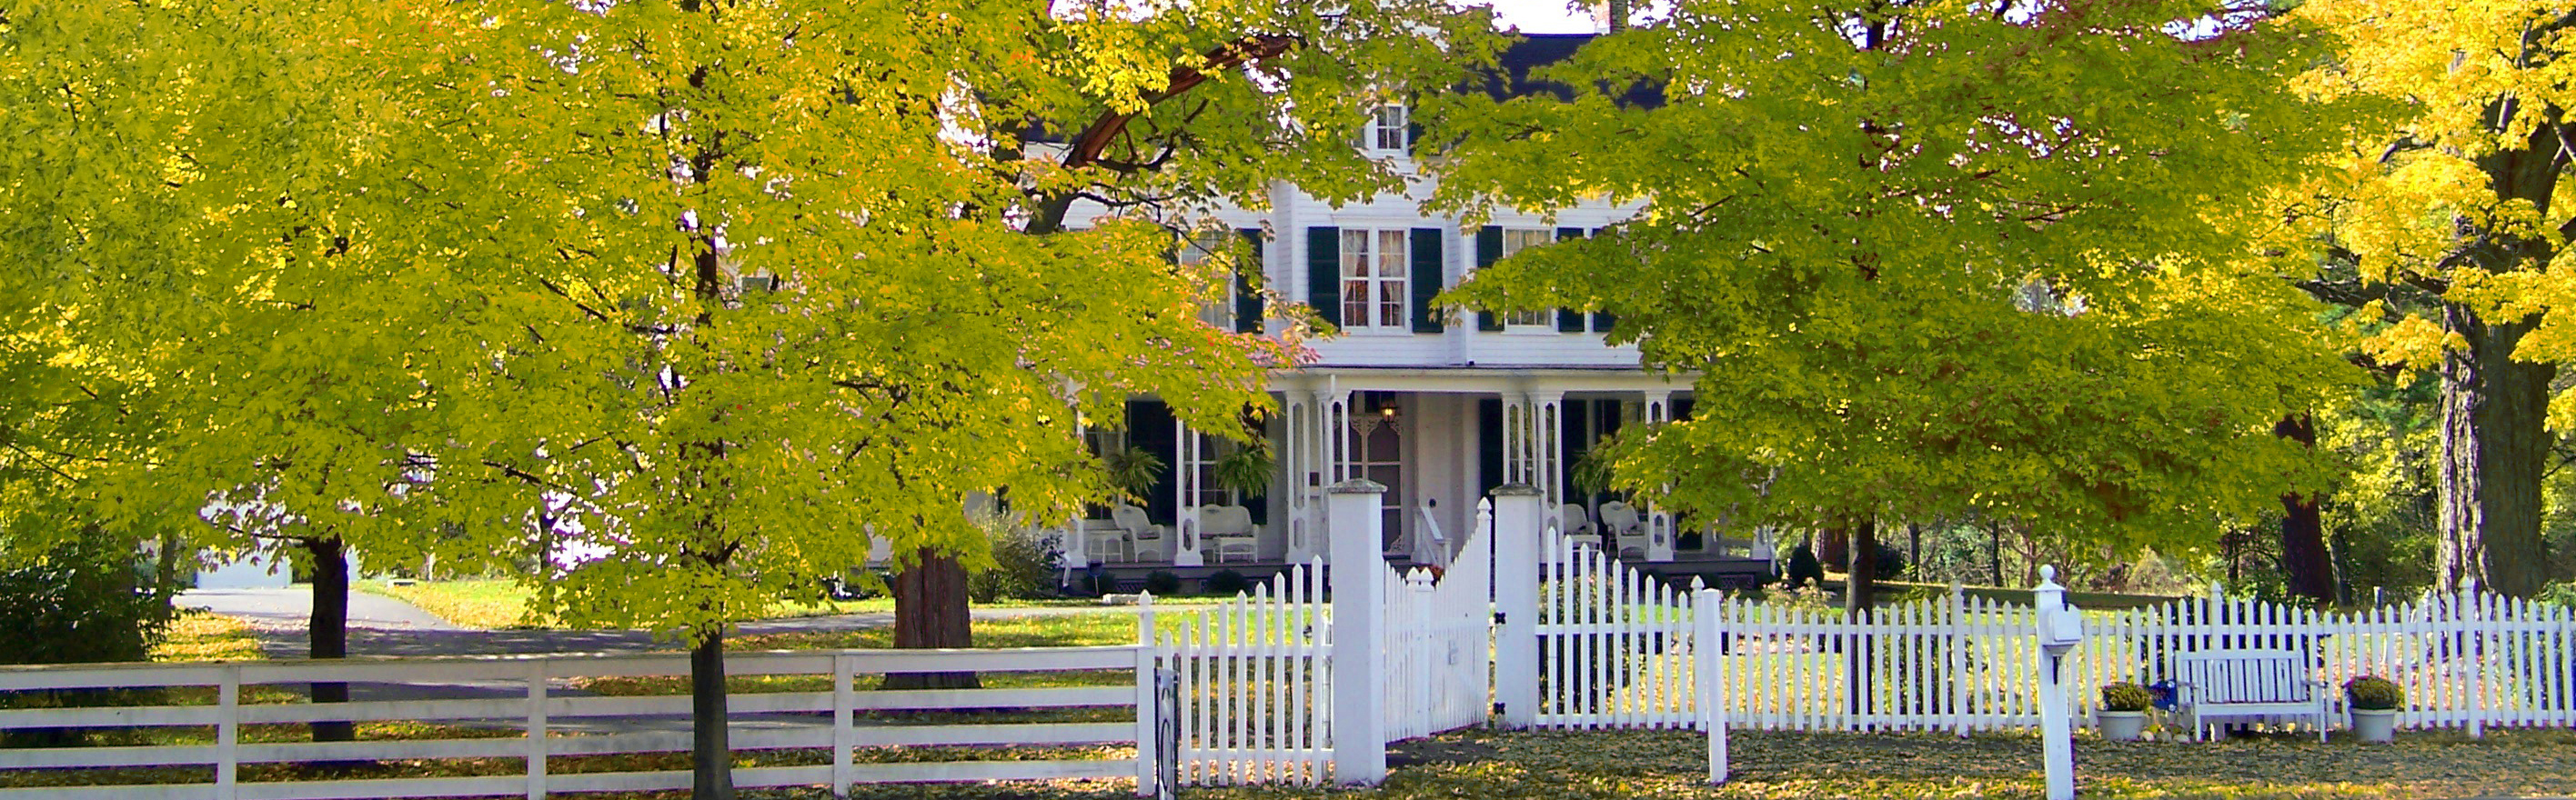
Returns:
<point x="2060" y="626"/>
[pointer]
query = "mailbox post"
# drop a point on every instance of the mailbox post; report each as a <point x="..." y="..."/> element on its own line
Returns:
<point x="2060" y="630"/>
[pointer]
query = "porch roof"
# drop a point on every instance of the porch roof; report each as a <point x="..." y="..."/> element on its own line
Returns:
<point x="1479" y="380"/>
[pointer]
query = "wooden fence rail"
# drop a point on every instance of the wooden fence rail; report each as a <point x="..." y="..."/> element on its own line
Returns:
<point x="520" y="715"/>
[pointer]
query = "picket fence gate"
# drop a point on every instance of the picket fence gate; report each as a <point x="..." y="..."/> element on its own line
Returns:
<point x="1438" y="641"/>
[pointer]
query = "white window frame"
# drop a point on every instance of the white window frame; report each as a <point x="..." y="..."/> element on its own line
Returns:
<point x="1377" y="264"/>
<point x="1540" y="321"/>
<point x="1196" y="248"/>
<point x="1387" y="128"/>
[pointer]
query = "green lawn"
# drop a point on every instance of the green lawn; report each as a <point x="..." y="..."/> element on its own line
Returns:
<point x="501" y="603"/>
<point x="1566" y="764"/>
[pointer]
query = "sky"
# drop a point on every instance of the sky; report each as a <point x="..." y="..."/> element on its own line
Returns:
<point x="1538" y="16"/>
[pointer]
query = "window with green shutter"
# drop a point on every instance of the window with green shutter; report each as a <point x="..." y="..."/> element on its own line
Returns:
<point x="1247" y="283"/>
<point x="1324" y="272"/>
<point x="1426" y="279"/>
<point x="1569" y="320"/>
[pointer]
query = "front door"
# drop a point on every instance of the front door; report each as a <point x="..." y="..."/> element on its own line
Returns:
<point x="1376" y="445"/>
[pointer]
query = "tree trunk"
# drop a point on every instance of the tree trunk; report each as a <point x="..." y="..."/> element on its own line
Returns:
<point x="2495" y="449"/>
<point x="711" y="748"/>
<point x="930" y="611"/>
<point x="1860" y="594"/>
<point x="1834" y="545"/>
<point x="1914" y="551"/>
<point x="1860" y="570"/>
<point x="2495" y="439"/>
<point x="2303" y="530"/>
<point x="328" y="630"/>
<point x="1995" y="550"/>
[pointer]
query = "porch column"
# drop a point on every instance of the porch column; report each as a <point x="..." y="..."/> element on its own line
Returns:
<point x="1548" y="434"/>
<point x="1358" y="583"/>
<point x="1310" y="466"/>
<point x="1296" y="417"/>
<point x="1661" y="539"/>
<point x="1187" y="454"/>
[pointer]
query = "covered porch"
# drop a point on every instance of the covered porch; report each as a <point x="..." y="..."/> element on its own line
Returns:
<point x="1438" y="439"/>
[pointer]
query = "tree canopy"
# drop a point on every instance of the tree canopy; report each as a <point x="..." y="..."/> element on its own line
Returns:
<point x="1927" y="258"/>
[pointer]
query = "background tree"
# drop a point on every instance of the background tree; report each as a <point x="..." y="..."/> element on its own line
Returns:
<point x="1940" y="258"/>
<point x="2450" y="223"/>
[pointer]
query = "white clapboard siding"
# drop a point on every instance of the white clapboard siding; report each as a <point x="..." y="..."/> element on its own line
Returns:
<point x="1615" y="643"/>
<point x="526" y="722"/>
<point x="1255" y="684"/>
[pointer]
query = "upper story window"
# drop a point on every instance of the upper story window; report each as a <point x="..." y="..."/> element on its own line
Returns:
<point x="1386" y="130"/>
<point x="1513" y="240"/>
<point x="1197" y="248"/>
<point x="1373" y="279"/>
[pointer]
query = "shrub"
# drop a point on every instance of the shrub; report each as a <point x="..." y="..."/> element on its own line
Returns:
<point x="2126" y="696"/>
<point x="2374" y="693"/>
<point x="1225" y="582"/>
<point x="1890" y="563"/>
<point x="1163" y="583"/>
<point x="77" y="602"/>
<point x="2558" y="593"/>
<point x="1023" y="567"/>
<point x="1804" y="569"/>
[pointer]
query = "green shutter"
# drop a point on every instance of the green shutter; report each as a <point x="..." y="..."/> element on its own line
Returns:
<point x="1324" y="272"/>
<point x="1569" y="320"/>
<point x="1602" y="321"/>
<point x="1425" y="280"/>
<point x="1489" y="249"/>
<point x="1247" y="285"/>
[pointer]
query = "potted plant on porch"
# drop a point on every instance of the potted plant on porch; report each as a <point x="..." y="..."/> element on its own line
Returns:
<point x="2373" y="701"/>
<point x="1133" y="470"/>
<point x="1244" y="472"/>
<point x="2123" y="714"/>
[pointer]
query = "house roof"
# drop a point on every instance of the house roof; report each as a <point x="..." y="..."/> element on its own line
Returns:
<point x="1542" y="49"/>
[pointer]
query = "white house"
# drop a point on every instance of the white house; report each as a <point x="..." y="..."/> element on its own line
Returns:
<point x="1439" y="411"/>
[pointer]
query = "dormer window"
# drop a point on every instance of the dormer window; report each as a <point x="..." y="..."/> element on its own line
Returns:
<point x="1386" y="130"/>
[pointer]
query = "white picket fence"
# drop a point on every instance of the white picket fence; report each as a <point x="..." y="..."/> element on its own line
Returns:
<point x="1438" y="642"/>
<point x="1965" y="664"/>
<point x="1959" y="664"/>
<point x="1614" y="644"/>
<point x="1256" y="684"/>
<point x="534" y="724"/>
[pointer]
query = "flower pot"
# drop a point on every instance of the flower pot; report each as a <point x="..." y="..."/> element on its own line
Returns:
<point x="2375" y="724"/>
<point x="2120" y="726"/>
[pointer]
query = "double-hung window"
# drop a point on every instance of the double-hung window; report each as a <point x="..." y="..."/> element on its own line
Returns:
<point x="1197" y="248"/>
<point x="1386" y="130"/>
<point x="1513" y="240"/>
<point x="1373" y="279"/>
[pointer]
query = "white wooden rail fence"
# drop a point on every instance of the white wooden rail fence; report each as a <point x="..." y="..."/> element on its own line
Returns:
<point x="542" y="718"/>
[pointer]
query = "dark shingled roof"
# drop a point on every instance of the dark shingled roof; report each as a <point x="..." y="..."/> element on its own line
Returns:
<point x="1541" y="49"/>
